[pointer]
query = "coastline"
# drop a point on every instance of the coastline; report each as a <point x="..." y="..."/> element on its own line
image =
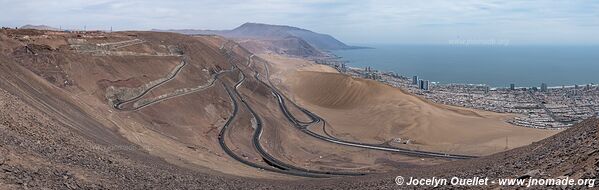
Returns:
<point x="540" y="107"/>
<point x="526" y="66"/>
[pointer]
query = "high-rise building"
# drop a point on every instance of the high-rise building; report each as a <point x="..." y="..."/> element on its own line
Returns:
<point x="544" y="87"/>
<point x="415" y="80"/>
<point x="423" y="84"/>
<point x="512" y="86"/>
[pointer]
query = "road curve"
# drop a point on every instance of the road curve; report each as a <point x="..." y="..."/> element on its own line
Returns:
<point x="277" y="165"/>
<point x="273" y="161"/>
<point x="228" y="151"/>
<point x="269" y="159"/>
<point x="119" y="103"/>
<point x="212" y="82"/>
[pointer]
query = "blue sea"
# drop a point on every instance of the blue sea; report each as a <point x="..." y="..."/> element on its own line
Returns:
<point x="497" y="66"/>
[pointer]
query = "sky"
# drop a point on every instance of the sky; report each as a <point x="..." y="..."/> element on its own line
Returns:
<point x="357" y="22"/>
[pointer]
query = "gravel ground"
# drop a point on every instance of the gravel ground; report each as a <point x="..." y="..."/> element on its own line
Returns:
<point x="38" y="152"/>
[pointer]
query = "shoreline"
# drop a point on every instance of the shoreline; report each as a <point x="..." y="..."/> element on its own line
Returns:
<point x="540" y="107"/>
<point x="485" y="85"/>
<point x="502" y="83"/>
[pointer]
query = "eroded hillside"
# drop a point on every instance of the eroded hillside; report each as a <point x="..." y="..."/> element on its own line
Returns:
<point x="201" y="103"/>
<point x="150" y="110"/>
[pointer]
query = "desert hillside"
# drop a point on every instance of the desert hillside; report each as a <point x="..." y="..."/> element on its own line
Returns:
<point x="139" y="110"/>
<point x="369" y="111"/>
<point x="197" y="105"/>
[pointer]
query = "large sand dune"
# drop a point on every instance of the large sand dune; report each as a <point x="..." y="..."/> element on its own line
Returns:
<point x="370" y="111"/>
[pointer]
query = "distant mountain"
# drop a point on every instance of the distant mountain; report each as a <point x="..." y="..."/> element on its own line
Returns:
<point x="277" y="38"/>
<point x="257" y="30"/>
<point x="39" y="27"/>
<point x="289" y="46"/>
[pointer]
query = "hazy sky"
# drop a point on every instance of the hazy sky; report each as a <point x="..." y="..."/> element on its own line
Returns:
<point x="394" y="21"/>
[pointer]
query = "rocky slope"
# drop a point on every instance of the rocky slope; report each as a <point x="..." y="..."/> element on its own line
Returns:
<point x="37" y="151"/>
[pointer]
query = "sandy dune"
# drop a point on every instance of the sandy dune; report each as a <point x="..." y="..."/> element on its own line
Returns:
<point x="369" y="111"/>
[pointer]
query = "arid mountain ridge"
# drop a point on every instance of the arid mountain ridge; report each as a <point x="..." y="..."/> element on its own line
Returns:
<point x="277" y="38"/>
<point x="39" y="27"/>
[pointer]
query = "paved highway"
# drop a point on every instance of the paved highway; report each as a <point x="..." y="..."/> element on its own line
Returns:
<point x="277" y="165"/>
<point x="228" y="151"/>
<point x="211" y="83"/>
<point x="267" y="157"/>
<point x="119" y="103"/>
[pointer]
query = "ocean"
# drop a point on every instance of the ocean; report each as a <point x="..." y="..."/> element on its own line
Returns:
<point x="497" y="66"/>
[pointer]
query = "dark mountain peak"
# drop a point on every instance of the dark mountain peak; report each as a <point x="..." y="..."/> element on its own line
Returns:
<point x="280" y="38"/>
<point x="269" y="31"/>
<point x="254" y="25"/>
<point x="38" y="27"/>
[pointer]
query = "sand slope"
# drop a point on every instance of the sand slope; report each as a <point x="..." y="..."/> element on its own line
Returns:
<point x="369" y="111"/>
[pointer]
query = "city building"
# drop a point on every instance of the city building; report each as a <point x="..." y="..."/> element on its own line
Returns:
<point x="424" y="84"/>
<point x="512" y="86"/>
<point x="544" y="87"/>
<point x="415" y="80"/>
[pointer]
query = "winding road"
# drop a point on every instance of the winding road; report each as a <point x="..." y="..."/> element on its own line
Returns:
<point x="274" y="164"/>
<point x="277" y="165"/>
<point x="228" y="151"/>
<point x="210" y="84"/>
<point x="118" y="105"/>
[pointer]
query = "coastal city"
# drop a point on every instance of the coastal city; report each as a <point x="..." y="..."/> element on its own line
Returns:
<point x="535" y="107"/>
